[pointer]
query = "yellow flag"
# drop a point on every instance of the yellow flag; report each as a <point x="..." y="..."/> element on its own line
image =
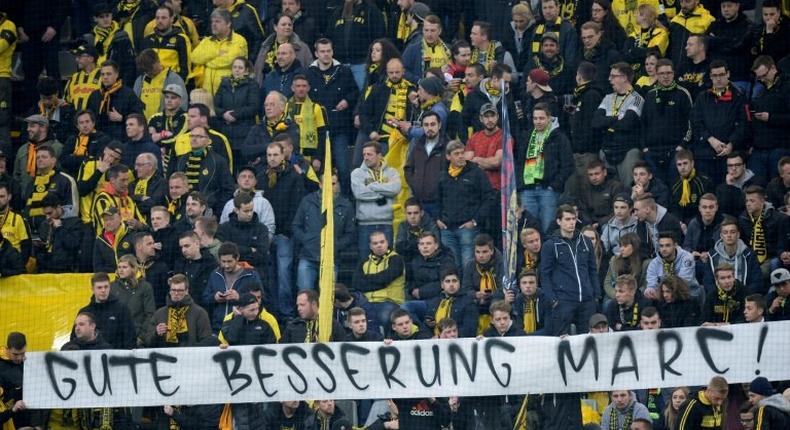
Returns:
<point x="326" y="271"/>
<point x="396" y="158"/>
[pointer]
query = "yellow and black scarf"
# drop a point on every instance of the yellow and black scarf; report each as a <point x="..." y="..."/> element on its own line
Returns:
<point x="757" y="241"/>
<point x="634" y="320"/>
<point x="176" y="323"/>
<point x="443" y="311"/>
<point x="727" y="303"/>
<point x="539" y="30"/>
<point x="40" y="190"/>
<point x="403" y="30"/>
<point x="487" y="278"/>
<point x="486" y="58"/>
<point x="530" y="315"/>
<point x="436" y="55"/>
<point x="81" y="148"/>
<point x="303" y="113"/>
<point x="685" y="195"/>
<point x="453" y="171"/>
<point x="311" y="331"/>
<point x="272" y="173"/>
<point x="106" y="93"/>
<point x="103" y="38"/>
<point x="194" y="161"/>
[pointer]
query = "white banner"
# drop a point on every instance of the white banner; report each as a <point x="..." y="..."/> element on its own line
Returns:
<point x="428" y="368"/>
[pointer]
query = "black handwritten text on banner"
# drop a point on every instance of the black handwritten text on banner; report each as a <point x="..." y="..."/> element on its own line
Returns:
<point x="430" y="368"/>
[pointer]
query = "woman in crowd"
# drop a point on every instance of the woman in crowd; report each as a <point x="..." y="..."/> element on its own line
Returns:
<point x="236" y="103"/>
<point x="670" y="415"/>
<point x="646" y="81"/>
<point x="628" y="262"/>
<point x="675" y="304"/>
<point x="612" y="30"/>
<point x="650" y="35"/>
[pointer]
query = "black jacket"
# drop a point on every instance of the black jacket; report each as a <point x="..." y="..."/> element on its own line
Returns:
<point x="308" y="223"/>
<point x="627" y="317"/>
<point x="125" y="101"/>
<point x="585" y="139"/>
<point x="680" y="313"/>
<point x="408" y="236"/>
<point x="247" y="23"/>
<point x="423" y="170"/>
<point x="464" y="198"/>
<point x="105" y="256"/>
<point x="732" y="198"/>
<point x="247" y="235"/>
<point x="259" y="137"/>
<point x="701" y="237"/>
<point x="215" y="181"/>
<point x="168" y="237"/>
<point x="721" y="117"/>
<point x="374" y="107"/>
<point x="351" y="40"/>
<point x="700" y="185"/>
<point x="155" y="189"/>
<point x="730" y="309"/>
<point x="284" y="197"/>
<point x="620" y="133"/>
<point x="197" y="271"/>
<point x="542" y="312"/>
<point x="63" y="243"/>
<point x="296" y="331"/>
<point x="663" y="107"/>
<point x="240" y="331"/>
<point x="728" y="42"/>
<point x="557" y="158"/>
<point x="561" y="74"/>
<point x="775" y="225"/>
<point x="10" y="260"/>
<point x="243" y="99"/>
<point x="463" y="311"/>
<point x="156" y="272"/>
<point x="602" y="56"/>
<point x="113" y="321"/>
<point x="774" y="100"/>
<point x="775" y="191"/>
<point x="328" y="88"/>
<point x="695" y="77"/>
<point x="425" y="274"/>
<point x="197" y="417"/>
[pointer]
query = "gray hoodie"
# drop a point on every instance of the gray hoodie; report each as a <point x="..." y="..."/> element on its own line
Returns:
<point x="640" y="411"/>
<point x="371" y="209"/>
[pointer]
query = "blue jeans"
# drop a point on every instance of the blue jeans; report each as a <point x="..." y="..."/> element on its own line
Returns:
<point x="364" y="232"/>
<point x="380" y="320"/>
<point x="360" y="74"/>
<point x="285" y="257"/>
<point x="764" y="162"/>
<point x="417" y="309"/>
<point x="307" y="274"/>
<point x="541" y="202"/>
<point x="461" y="241"/>
<point x="340" y="144"/>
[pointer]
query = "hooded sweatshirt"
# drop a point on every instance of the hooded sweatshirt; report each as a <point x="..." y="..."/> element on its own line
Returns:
<point x="747" y="269"/>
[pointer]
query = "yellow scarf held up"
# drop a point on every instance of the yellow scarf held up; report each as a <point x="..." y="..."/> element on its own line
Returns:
<point x="530" y="314"/>
<point x="442" y="312"/>
<point x="176" y="323"/>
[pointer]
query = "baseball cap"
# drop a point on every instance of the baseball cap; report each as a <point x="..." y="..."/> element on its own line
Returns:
<point x="541" y="79"/>
<point x="551" y="35"/>
<point x="596" y="319"/>
<point x="624" y="197"/>
<point x="488" y="107"/>
<point x="112" y="210"/>
<point x="85" y="49"/>
<point x="419" y="11"/>
<point x="37" y="119"/>
<point x="174" y="89"/>
<point x="780" y="276"/>
<point x="246" y="299"/>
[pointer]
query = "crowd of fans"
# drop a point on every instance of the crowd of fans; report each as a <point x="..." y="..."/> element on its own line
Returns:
<point x="650" y="152"/>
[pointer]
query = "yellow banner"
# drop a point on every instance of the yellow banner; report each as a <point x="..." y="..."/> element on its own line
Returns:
<point x="42" y="307"/>
<point x="326" y="271"/>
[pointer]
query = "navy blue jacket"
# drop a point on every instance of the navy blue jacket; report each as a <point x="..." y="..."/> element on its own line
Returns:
<point x="567" y="269"/>
<point x="463" y="311"/>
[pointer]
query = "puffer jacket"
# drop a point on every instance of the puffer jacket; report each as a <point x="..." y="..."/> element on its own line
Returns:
<point x="425" y="274"/>
<point x="242" y="99"/>
<point x="381" y="279"/>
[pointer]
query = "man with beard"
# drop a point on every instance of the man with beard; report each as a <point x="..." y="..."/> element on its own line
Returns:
<point x="425" y="162"/>
<point x="550" y="61"/>
<point x="304" y="329"/>
<point x="180" y="322"/>
<point x="113" y="101"/>
<point x="38" y="135"/>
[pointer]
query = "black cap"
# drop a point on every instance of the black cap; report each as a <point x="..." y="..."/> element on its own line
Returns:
<point x="85" y="49"/>
<point x="101" y="9"/>
<point x="626" y="198"/>
<point x="246" y="299"/>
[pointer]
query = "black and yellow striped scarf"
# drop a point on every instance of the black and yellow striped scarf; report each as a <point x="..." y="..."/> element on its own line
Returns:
<point x="757" y="241"/>
<point x="311" y="331"/>
<point x="403" y="30"/>
<point x="727" y="303"/>
<point x="81" y="148"/>
<point x="141" y="187"/>
<point x="194" y="161"/>
<point x="628" y="416"/>
<point x="486" y="58"/>
<point x="103" y="37"/>
<point x="487" y="278"/>
<point x="530" y="315"/>
<point x="539" y="30"/>
<point x="272" y="173"/>
<point x="40" y="190"/>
